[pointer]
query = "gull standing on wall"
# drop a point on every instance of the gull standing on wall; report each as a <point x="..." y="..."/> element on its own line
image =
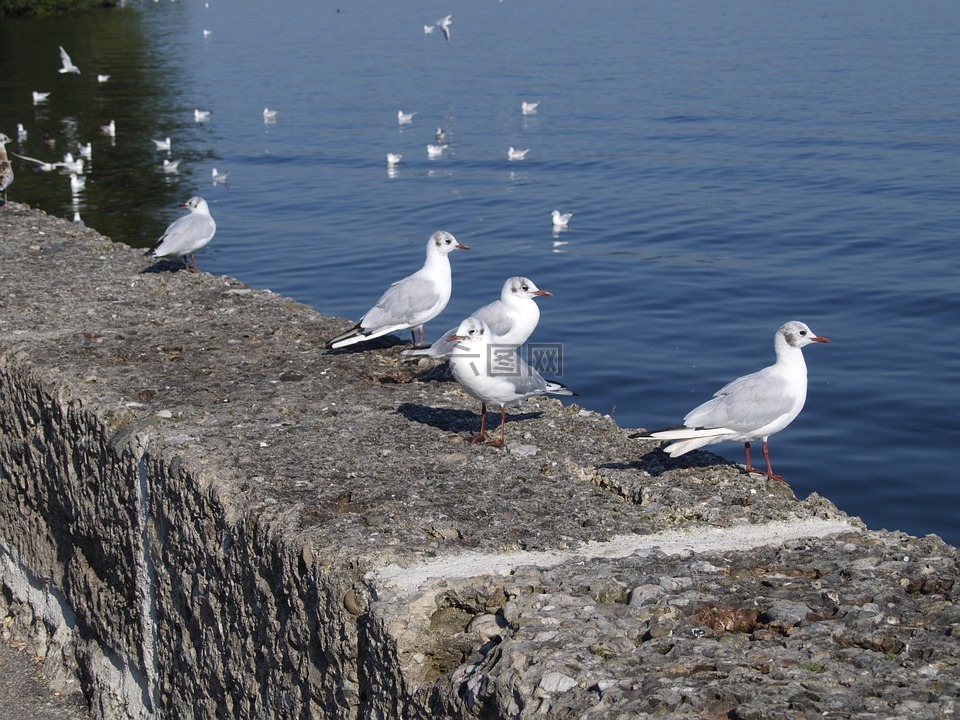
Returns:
<point x="752" y="407"/>
<point x="409" y="303"/>
<point x="187" y="234"/>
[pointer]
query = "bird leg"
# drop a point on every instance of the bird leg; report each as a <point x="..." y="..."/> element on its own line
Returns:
<point x="483" y="426"/>
<point x="503" y="425"/>
<point x="413" y="337"/>
<point x="766" y="456"/>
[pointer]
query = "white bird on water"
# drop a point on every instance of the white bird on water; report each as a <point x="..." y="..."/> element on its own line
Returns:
<point x="269" y="115"/>
<point x="218" y="177"/>
<point x="187" y="234"/>
<point x="529" y="108"/>
<point x="409" y="303"/>
<point x="511" y="320"/>
<point x="201" y="116"/>
<point x="68" y="66"/>
<point x="21" y="132"/>
<point x="405" y="118"/>
<point x="109" y="129"/>
<point x="752" y="407"/>
<point x="508" y="381"/>
<point x="86" y="151"/>
<point x="171" y="166"/>
<point x="515" y="154"/>
<point x="435" y="151"/>
<point x="39" y="97"/>
<point x="394" y="158"/>
<point x="560" y="220"/>
<point x="72" y="164"/>
<point x="77" y="183"/>
<point x="102" y="78"/>
<point x="427" y="29"/>
<point x="163" y="144"/>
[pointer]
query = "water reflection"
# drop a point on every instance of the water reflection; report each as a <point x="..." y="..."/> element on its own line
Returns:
<point x="122" y="92"/>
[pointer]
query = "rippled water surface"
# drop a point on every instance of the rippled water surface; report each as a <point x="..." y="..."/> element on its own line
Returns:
<point x="730" y="166"/>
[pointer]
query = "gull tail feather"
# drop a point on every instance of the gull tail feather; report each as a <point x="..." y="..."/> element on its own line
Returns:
<point x="686" y="439"/>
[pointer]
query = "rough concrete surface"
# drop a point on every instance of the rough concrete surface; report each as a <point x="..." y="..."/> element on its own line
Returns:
<point x="204" y="514"/>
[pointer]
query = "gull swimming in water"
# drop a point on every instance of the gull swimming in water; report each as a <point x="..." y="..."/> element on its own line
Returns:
<point x="39" y="97"/>
<point x="560" y="220"/>
<point x="511" y="320"/>
<point x="86" y="151"/>
<point x="102" y="78"/>
<point x="529" y="108"/>
<point x="444" y="24"/>
<point x="509" y="381"/>
<point x="187" y="234"/>
<point x="269" y="115"/>
<point x="514" y="154"/>
<point x="218" y="177"/>
<point x="68" y="66"/>
<point x="435" y="151"/>
<point x="77" y="183"/>
<point x="207" y="33"/>
<point x="409" y="303"/>
<point x="440" y="136"/>
<point x="6" y="169"/>
<point x="21" y="132"/>
<point x="394" y="158"/>
<point x="405" y="118"/>
<point x="171" y="166"/>
<point x="162" y="144"/>
<point x="72" y="164"/>
<point x="427" y="29"/>
<point x="201" y="115"/>
<point x="109" y="129"/>
<point x="752" y="407"/>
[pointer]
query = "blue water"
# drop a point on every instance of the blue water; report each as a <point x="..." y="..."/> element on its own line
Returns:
<point x="730" y="166"/>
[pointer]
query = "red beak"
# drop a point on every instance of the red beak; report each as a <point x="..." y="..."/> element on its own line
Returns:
<point x="461" y="246"/>
<point x="820" y="339"/>
<point x="543" y="293"/>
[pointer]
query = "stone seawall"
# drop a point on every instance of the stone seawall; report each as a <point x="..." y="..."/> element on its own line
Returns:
<point x="204" y="514"/>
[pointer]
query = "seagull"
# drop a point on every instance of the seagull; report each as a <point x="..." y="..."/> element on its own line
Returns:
<point x="6" y="169"/>
<point x="200" y="116"/>
<point x="427" y="29"/>
<point x="394" y="158"/>
<point x="529" y="108"/>
<point x="187" y="234"/>
<point x="207" y="33"/>
<point x="39" y="97"/>
<point x="514" y="154"/>
<point x="435" y="151"/>
<point x="102" y="78"/>
<point x="110" y="129"/>
<point x="269" y="115"/>
<point x="510" y="320"/>
<point x="218" y="177"/>
<point x="77" y="183"/>
<point x="86" y="151"/>
<point x="163" y="144"/>
<point x="405" y="118"/>
<point x="751" y="407"/>
<point x="171" y="166"/>
<point x="409" y="303"/>
<point x="441" y="136"/>
<point x="43" y="165"/>
<point x="21" y="132"/>
<point x="560" y="220"/>
<point x="68" y="66"/>
<point x="444" y="24"/>
<point x="71" y="164"/>
<point x="505" y="381"/>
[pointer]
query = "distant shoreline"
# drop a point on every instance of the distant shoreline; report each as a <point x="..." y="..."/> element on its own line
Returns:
<point x="41" y="8"/>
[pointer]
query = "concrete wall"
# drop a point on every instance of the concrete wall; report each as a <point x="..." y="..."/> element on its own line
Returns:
<point x="204" y="514"/>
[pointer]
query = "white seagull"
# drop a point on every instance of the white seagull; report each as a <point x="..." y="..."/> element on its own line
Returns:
<point x="39" y="97"/>
<point x="409" y="303"/>
<point x="529" y="108"/>
<point x="435" y="151"/>
<point x="187" y="234"/>
<point x="440" y="135"/>
<point x="394" y="158"/>
<point x="218" y="177"/>
<point x="427" y="29"/>
<point x="269" y="115"/>
<point x="207" y="33"/>
<point x="77" y="183"/>
<point x="171" y="166"/>
<point x="86" y="151"/>
<point x="72" y="164"/>
<point x="21" y="132"/>
<point x="560" y="220"/>
<point x="515" y="154"/>
<point x="102" y="78"/>
<point x="510" y="320"/>
<point x="201" y="115"/>
<point x="68" y="66"/>
<point x="507" y="382"/>
<point x="405" y="118"/>
<point x="444" y="24"/>
<point x="752" y="407"/>
<point x="109" y="129"/>
<point x="162" y="144"/>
